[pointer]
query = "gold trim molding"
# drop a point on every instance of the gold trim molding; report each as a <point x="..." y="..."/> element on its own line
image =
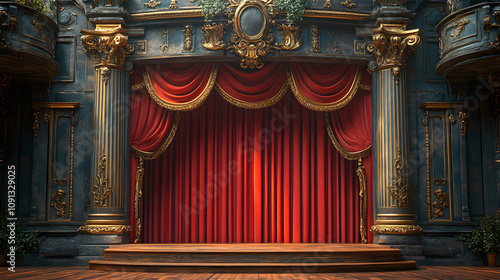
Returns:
<point x="396" y="229"/>
<point x="104" y="229"/>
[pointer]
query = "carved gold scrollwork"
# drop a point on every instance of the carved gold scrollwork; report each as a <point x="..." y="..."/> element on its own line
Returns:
<point x="108" y="45"/>
<point x="396" y="229"/>
<point x="173" y="5"/>
<point x="392" y="45"/>
<point x="36" y="123"/>
<point x="328" y="5"/>
<point x="139" y="174"/>
<point x="399" y="187"/>
<point x="107" y="229"/>
<point x="152" y="4"/>
<point x="440" y="181"/>
<point x="38" y="27"/>
<point x="165" y="35"/>
<point x="105" y="72"/>
<point x="315" y="32"/>
<point x="213" y="36"/>
<point x="459" y="27"/>
<point x="348" y="4"/>
<point x="58" y="204"/>
<point x="188" y="38"/>
<point x="463" y="123"/>
<point x="363" y="199"/>
<point x="441" y="204"/>
<point x="101" y="189"/>
<point x="255" y="44"/>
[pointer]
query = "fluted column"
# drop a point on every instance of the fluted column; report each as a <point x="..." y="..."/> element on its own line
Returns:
<point x="392" y="44"/>
<point x="108" y="45"/>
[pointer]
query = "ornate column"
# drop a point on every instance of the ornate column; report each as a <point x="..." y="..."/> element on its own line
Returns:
<point x="391" y="46"/>
<point x="108" y="46"/>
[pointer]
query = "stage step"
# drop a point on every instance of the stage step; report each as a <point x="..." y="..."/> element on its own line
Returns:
<point x="251" y="257"/>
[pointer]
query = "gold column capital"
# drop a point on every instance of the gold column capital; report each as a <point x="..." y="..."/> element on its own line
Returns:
<point x="107" y="44"/>
<point x="391" y="46"/>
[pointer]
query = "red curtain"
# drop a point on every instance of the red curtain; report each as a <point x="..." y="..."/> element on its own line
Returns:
<point x="235" y="175"/>
<point x="151" y="129"/>
<point x="252" y="89"/>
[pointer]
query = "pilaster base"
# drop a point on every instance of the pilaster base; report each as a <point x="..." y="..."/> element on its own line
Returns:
<point x="105" y="224"/>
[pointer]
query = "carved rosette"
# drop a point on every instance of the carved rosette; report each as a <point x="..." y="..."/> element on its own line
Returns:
<point x="108" y="45"/>
<point x="391" y="47"/>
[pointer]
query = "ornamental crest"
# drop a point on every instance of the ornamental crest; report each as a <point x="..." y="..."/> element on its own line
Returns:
<point x="252" y="21"/>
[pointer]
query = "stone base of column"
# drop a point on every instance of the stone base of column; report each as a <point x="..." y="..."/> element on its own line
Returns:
<point x="396" y="224"/>
<point x="105" y="224"/>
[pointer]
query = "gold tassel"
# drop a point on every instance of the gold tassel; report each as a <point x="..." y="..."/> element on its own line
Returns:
<point x="363" y="200"/>
<point x="139" y="174"/>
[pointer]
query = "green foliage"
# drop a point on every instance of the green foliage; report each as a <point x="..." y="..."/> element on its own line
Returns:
<point x="485" y="240"/>
<point x="25" y="242"/>
<point x="211" y="8"/>
<point x="293" y="8"/>
<point x="39" y="5"/>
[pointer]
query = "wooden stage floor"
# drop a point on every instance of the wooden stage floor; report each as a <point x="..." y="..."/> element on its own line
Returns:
<point x="422" y="272"/>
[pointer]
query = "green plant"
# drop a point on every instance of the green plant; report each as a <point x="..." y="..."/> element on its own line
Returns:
<point x="39" y="5"/>
<point x="486" y="239"/>
<point x="211" y="8"/>
<point x="293" y="8"/>
<point x="25" y="242"/>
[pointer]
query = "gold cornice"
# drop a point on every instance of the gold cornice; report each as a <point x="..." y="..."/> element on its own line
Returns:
<point x="336" y="15"/>
<point x="443" y="105"/>
<point x="196" y="12"/>
<point x="54" y="105"/>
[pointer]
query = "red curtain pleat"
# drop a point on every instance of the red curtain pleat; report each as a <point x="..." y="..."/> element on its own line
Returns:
<point x="235" y="175"/>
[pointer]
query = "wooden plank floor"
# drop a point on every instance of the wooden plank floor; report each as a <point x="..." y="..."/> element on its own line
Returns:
<point x="423" y="272"/>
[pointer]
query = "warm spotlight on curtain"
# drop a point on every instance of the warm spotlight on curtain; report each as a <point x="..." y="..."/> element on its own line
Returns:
<point x="236" y="175"/>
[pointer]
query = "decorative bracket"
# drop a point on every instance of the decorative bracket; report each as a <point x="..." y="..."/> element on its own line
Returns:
<point x="252" y="21"/>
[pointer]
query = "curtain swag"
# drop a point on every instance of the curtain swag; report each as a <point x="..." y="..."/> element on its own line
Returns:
<point x="318" y="87"/>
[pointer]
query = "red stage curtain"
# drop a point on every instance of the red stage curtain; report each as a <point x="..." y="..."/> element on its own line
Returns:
<point x="324" y="87"/>
<point x="252" y="89"/>
<point x="235" y="175"/>
<point x="180" y="87"/>
<point x="152" y="128"/>
<point x="352" y="136"/>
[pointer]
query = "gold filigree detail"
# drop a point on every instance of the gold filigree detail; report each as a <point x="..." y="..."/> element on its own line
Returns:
<point x="453" y="5"/>
<point x="290" y="36"/>
<point x="165" y="35"/>
<point x="396" y="229"/>
<point x="396" y="74"/>
<point x="348" y="4"/>
<point x="188" y="38"/>
<point x="392" y="44"/>
<point x="463" y="122"/>
<point x="459" y="27"/>
<point x="38" y="27"/>
<point x="315" y="32"/>
<point x="141" y="47"/>
<point x="58" y="204"/>
<point x="336" y="38"/>
<point x="139" y="174"/>
<point x="188" y="106"/>
<point x="111" y="229"/>
<point x="441" y="46"/>
<point x="108" y="45"/>
<point x="363" y="201"/>
<point x="152" y="4"/>
<point x="359" y="47"/>
<point x="399" y="189"/>
<point x="440" y="181"/>
<point x="60" y="181"/>
<point x="251" y="53"/>
<point x="173" y="5"/>
<point x="328" y="5"/>
<point x="36" y="123"/>
<point x="325" y="107"/>
<point x="441" y="204"/>
<point x="101" y="189"/>
<point x="213" y="36"/>
<point x="137" y="86"/>
<point x="105" y="73"/>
